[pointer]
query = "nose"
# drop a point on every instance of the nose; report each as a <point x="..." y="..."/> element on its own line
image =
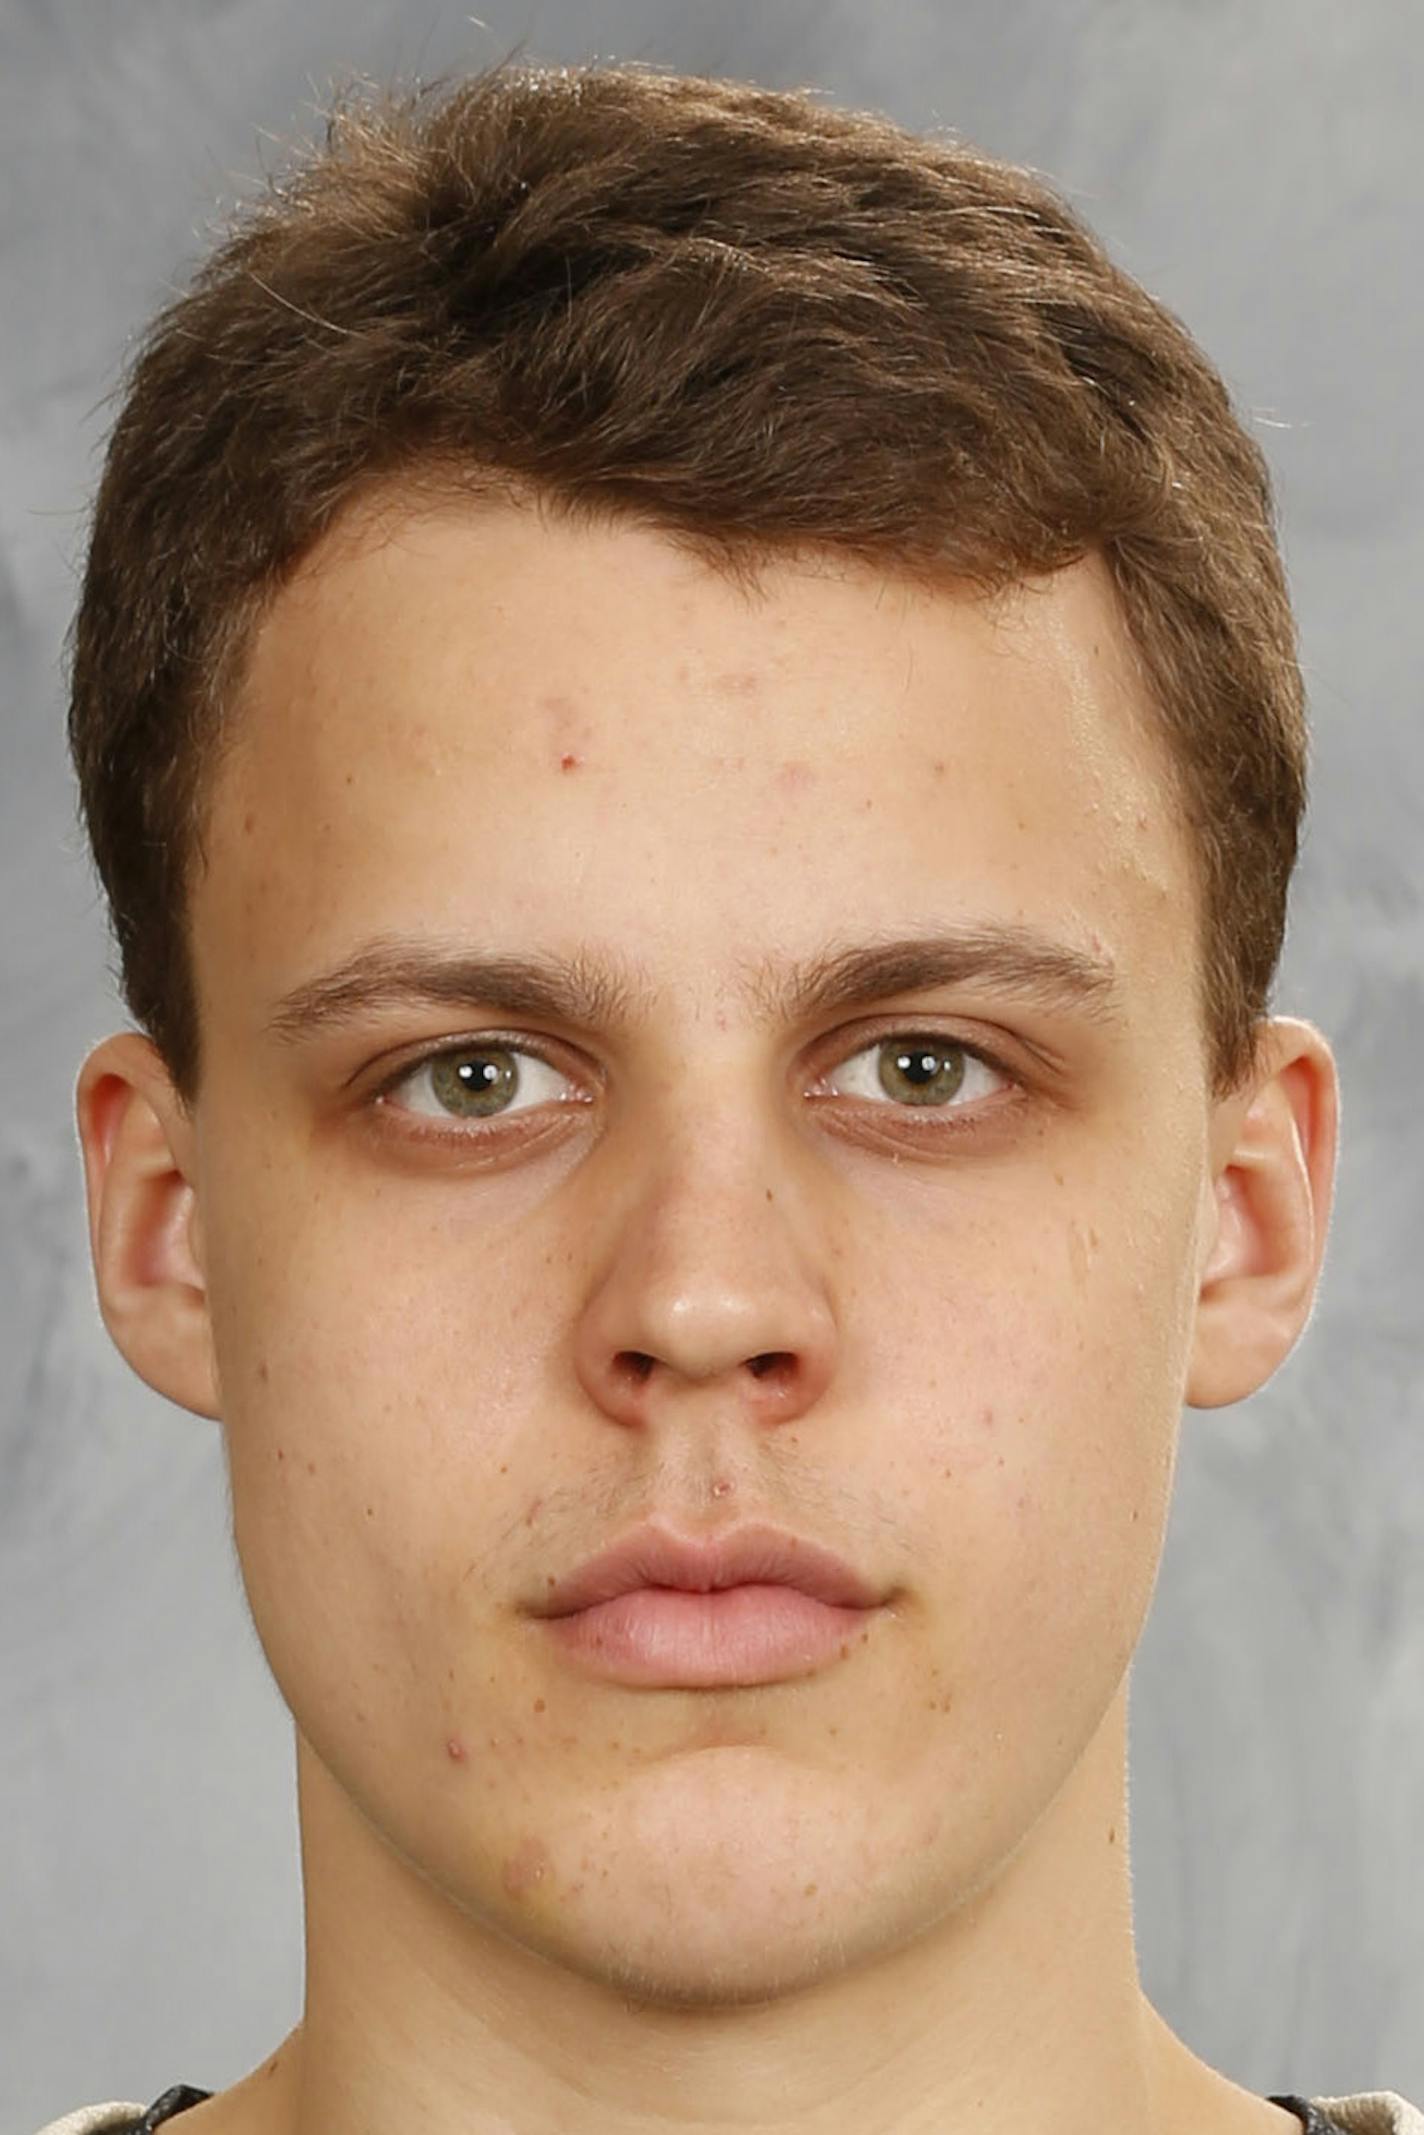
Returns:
<point x="710" y="1282"/>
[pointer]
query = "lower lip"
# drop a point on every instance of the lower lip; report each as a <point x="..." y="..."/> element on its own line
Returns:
<point x="662" y="1637"/>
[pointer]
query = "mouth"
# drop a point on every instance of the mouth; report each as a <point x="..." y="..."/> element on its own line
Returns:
<point x="758" y="1605"/>
<point x="662" y="1638"/>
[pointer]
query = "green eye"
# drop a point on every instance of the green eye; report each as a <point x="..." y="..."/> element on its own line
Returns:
<point x="476" y="1082"/>
<point x="921" y="1074"/>
<point x="921" y="1069"/>
<point x="474" y="1085"/>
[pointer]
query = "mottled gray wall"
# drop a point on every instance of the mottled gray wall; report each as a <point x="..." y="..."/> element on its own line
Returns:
<point x="1257" y="163"/>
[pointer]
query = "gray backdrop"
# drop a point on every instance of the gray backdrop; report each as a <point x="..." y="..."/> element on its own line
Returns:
<point x="1255" y="162"/>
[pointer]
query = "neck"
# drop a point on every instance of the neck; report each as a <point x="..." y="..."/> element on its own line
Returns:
<point x="1020" y="2008"/>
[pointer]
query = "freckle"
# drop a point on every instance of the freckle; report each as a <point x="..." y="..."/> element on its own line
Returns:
<point x="249" y="823"/>
<point x="939" y="767"/>
<point x="810" y="1890"/>
<point x="949" y="1471"/>
<point x="280" y="1454"/>
<point x="568" y="763"/>
<point x="311" y="1467"/>
<point x="986" y="1417"/>
<point x="455" y="1750"/>
<point x="835" y="1731"/>
<point x="370" y="1512"/>
<point x="768" y="1193"/>
<point x="538" y="1705"/>
<point x="504" y="1467"/>
<point x="262" y="1372"/>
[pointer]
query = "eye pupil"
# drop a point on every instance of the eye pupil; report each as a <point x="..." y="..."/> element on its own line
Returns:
<point x="474" y="1084"/>
<point x="921" y="1074"/>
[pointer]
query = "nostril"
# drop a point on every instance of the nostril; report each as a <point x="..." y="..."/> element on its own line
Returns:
<point x="634" y="1364"/>
<point x="771" y="1360"/>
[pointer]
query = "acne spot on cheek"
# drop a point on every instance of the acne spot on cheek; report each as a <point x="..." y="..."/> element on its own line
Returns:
<point x="455" y="1750"/>
<point x="795" y="776"/>
<point x="526" y="1866"/>
<point x="532" y="1514"/>
<point x="568" y="762"/>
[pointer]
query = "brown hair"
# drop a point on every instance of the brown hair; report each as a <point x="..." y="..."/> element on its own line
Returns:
<point x="730" y="312"/>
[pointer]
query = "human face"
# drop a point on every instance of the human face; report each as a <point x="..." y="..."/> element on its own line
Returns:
<point x="712" y="1265"/>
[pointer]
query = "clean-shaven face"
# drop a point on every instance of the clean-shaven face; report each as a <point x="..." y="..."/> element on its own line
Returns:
<point x="706" y="1061"/>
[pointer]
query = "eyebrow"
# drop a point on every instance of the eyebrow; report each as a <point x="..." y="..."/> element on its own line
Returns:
<point x="595" y="992"/>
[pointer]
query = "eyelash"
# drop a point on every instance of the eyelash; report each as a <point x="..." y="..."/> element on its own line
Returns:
<point x="939" y="1121"/>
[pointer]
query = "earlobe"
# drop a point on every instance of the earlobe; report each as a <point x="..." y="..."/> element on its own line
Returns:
<point x="143" y="1220"/>
<point x="1273" y="1164"/>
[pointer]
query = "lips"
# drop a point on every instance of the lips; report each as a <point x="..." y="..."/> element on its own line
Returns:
<point x="651" y="1556"/>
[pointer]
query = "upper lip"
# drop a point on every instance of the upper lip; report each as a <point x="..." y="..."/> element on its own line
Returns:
<point x="652" y="1555"/>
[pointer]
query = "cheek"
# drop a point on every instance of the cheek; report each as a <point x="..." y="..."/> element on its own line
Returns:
<point x="376" y="1382"/>
<point x="1037" y="1367"/>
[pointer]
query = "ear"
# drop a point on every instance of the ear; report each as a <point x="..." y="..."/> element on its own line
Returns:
<point x="1272" y="1176"/>
<point x="144" y="1234"/>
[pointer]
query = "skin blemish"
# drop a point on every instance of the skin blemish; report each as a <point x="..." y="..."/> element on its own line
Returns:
<point x="568" y="762"/>
<point x="455" y="1750"/>
<point x="262" y="1372"/>
<point x="538" y="1705"/>
<point x="370" y="1512"/>
<point x="532" y="1514"/>
<point x="526" y="1866"/>
<point x="311" y="1467"/>
<point x="795" y="776"/>
<point x="280" y="1454"/>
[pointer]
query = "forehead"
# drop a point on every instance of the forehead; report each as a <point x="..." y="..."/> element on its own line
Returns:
<point x="475" y="723"/>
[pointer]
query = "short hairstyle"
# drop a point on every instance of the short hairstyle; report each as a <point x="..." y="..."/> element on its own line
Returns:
<point x="727" y="312"/>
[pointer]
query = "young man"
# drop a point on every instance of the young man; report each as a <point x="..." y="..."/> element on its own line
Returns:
<point x="687" y="708"/>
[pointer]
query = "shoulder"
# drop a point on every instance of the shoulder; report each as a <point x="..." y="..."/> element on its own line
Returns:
<point x="122" y="2118"/>
<point x="115" y="2119"/>
<point x="1372" y="2113"/>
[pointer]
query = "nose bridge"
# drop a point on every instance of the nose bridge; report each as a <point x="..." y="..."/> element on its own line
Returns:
<point x="711" y="1271"/>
